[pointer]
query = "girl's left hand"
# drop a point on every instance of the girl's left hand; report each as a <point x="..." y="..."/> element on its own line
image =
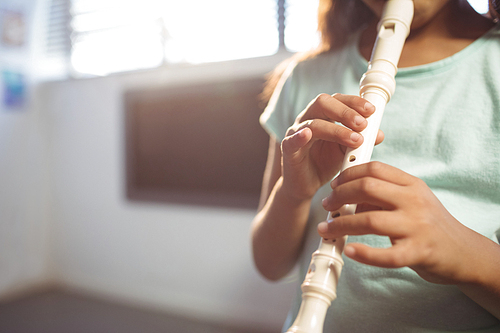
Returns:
<point x="424" y="235"/>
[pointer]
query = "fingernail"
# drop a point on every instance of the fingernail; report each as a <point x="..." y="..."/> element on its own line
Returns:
<point x="335" y="182"/>
<point x="356" y="137"/>
<point x="300" y="132"/>
<point x="349" y="250"/>
<point x="358" y="120"/>
<point x="323" y="227"/>
<point x="369" y="107"/>
<point x="324" y="202"/>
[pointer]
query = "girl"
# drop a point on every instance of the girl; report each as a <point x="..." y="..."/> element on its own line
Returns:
<point x="423" y="252"/>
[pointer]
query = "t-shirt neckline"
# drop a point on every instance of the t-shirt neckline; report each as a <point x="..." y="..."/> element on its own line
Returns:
<point x="430" y="68"/>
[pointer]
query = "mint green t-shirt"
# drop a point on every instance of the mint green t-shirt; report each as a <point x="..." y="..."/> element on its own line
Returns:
<point x="443" y="126"/>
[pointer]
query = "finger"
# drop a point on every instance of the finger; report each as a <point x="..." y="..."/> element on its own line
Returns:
<point x="393" y="257"/>
<point x="357" y="103"/>
<point x="380" y="223"/>
<point x="367" y="190"/>
<point x="376" y="170"/>
<point x="327" y="131"/>
<point x="378" y="140"/>
<point x="292" y="144"/>
<point x="380" y="137"/>
<point x="333" y="109"/>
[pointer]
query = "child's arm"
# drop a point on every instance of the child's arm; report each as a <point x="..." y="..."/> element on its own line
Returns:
<point x="424" y="235"/>
<point x="309" y="156"/>
<point x="279" y="226"/>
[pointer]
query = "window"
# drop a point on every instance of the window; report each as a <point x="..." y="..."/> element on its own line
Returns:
<point x="481" y="6"/>
<point x="109" y="36"/>
<point x="300" y="25"/>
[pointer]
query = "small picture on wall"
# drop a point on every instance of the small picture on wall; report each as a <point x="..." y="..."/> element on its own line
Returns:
<point x="13" y="27"/>
<point x="14" y="89"/>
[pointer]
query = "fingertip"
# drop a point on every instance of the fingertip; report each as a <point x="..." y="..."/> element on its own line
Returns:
<point x="360" y="121"/>
<point x="322" y="227"/>
<point x="324" y="202"/>
<point x="299" y="139"/>
<point x="306" y="132"/>
<point x="335" y="182"/>
<point x="356" y="137"/>
<point x="304" y="136"/>
<point x="380" y="137"/>
<point x="369" y="107"/>
<point x="350" y="251"/>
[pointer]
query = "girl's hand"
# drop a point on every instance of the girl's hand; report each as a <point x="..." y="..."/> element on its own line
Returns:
<point x="314" y="146"/>
<point x="424" y="235"/>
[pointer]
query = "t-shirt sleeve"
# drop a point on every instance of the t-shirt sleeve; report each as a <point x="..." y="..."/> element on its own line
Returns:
<point x="279" y="115"/>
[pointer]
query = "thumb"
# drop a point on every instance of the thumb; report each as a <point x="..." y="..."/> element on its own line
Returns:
<point x="291" y="146"/>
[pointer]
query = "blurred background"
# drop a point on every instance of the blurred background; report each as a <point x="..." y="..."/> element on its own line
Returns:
<point x="131" y="159"/>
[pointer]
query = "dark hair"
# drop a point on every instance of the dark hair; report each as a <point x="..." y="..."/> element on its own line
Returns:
<point x="495" y="9"/>
<point x="337" y="21"/>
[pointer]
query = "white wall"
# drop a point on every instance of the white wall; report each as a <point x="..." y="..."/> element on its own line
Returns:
<point x="24" y="182"/>
<point x="24" y="201"/>
<point x="187" y="259"/>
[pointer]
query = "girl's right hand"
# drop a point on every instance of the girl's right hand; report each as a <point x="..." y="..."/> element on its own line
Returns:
<point x="314" y="146"/>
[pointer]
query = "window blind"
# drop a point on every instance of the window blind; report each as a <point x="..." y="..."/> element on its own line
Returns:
<point x="57" y="29"/>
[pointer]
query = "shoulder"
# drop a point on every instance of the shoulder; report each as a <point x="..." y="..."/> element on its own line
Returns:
<point x="494" y="34"/>
<point x="488" y="50"/>
<point x="312" y="64"/>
